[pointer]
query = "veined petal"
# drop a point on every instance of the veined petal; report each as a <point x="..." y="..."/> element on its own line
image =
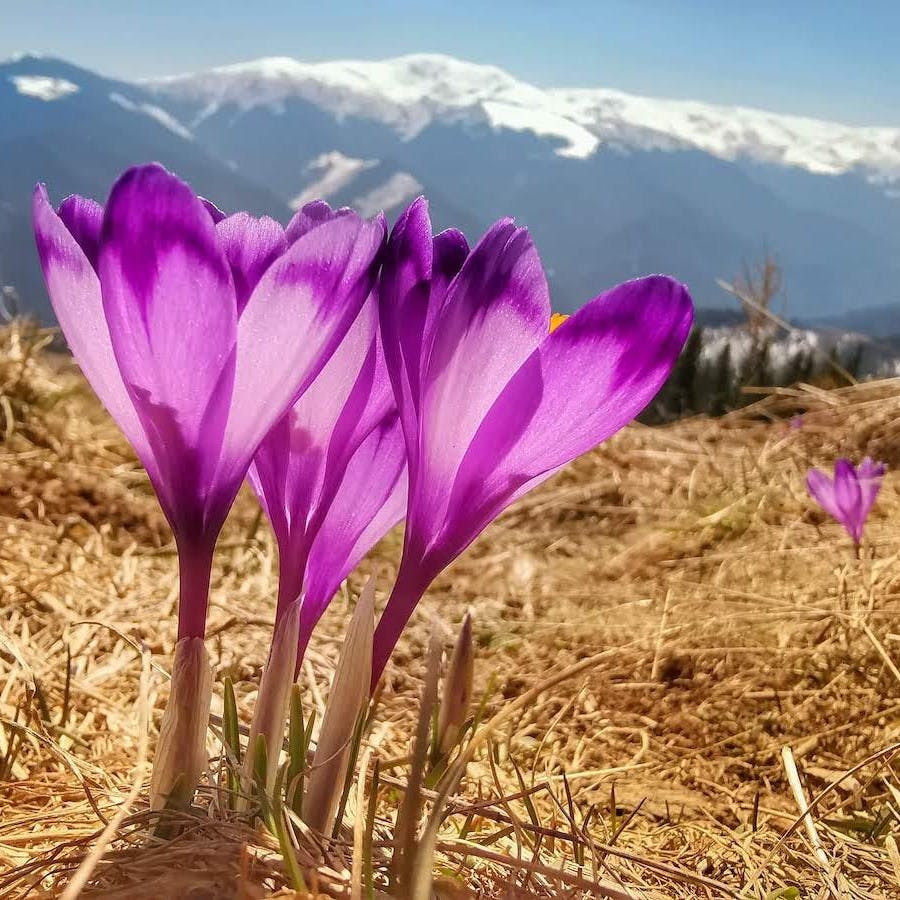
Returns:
<point x="586" y="381"/>
<point x="268" y="476"/>
<point x="370" y="500"/>
<point x="348" y="398"/>
<point x="293" y="322"/>
<point x="450" y="251"/>
<point x="169" y="301"/>
<point x="493" y="317"/>
<point x="74" y="290"/>
<point x="251" y="245"/>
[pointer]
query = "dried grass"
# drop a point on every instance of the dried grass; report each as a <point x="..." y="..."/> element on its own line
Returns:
<point x="718" y="617"/>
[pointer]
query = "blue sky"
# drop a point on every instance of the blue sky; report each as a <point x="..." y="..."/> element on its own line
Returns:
<point x="832" y="59"/>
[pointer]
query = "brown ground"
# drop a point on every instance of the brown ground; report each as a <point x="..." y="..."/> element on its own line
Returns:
<point x="718" y="617"/>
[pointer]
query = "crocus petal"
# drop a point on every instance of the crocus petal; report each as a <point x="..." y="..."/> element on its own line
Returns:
<point x="169" y="302"/>
<point x="268" y="476"/>
<point x="404" y="290"/>
<point x="75" y="294"/>
<point x="310" y="216"/>
<point x="84" y="219"/>
<point x="492" y="318"/>
<point x="370" y="501"/>
<point x="302" y="461"/>
<point x="586" y="381"/>
<point x="450" y="251"/>
<point x="293" y="322"/>
<point x="348" y="397"/>
<point x="251" y="245"/>
<point x="821" y="489"/>
<point x="848" y="498"/>
<point x="869" y="474"/>
<point x="215" y="213"/>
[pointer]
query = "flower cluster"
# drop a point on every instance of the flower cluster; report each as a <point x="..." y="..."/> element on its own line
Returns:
<point x="356" y="379"/>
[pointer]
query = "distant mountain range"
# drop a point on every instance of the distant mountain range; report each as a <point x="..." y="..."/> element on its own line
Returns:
<point x="611" y="185"/>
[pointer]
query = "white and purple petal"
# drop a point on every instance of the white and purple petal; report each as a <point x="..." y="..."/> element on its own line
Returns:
<point x="74" y="290"/>
<point x="587" y="380"/>
<point x="492" y="318"/>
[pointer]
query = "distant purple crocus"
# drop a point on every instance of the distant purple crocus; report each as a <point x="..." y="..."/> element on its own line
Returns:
<point x="850" y="495"/>
<point x="198" y="331"/>
<point x="331" y="474"/>
<point x="491" y="402"/>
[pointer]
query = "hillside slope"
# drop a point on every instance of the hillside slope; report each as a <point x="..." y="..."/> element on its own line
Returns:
<point x="718" y="616"/>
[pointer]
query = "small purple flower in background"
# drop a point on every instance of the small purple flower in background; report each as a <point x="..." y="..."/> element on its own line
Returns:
<point x="849" y="496"/>
<point x="198" y="331"/>
<point x="796" y="422"/>
<point x="491" y="401"/>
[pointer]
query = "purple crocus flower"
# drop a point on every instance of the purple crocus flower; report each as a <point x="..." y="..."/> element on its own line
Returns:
<point x="198" y="331"/>
<point x="850" y="495"/>
<point x="492" y="403"/>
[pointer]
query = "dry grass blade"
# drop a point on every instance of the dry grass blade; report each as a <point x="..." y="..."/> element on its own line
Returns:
<point x="86" y="869"/>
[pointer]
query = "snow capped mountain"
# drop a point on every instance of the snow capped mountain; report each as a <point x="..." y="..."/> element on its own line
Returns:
<point x="409" y="93"/>
<point x="334" y="175"/>
<point x="406" y="93"/>
<point x="611" y="186"/>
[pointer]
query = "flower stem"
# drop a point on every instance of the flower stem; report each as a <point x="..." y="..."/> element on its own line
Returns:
<point x="194" y="569"/>
<point x="409" y="588"/>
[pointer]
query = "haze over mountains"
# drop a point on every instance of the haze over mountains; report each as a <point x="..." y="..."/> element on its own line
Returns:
<point x="611" y="185"/>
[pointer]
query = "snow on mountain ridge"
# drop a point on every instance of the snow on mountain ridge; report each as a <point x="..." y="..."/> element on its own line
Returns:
<point x="729" y="132"/>
<point x="409" y="92"/>
<point x="406" y="93"/>
<point x="160" y="115"/>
